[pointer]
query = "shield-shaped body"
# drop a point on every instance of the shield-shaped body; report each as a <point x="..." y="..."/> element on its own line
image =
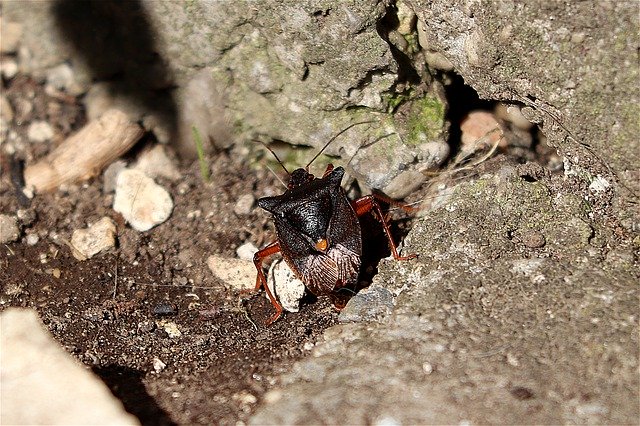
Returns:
<point x="318" y="232"/>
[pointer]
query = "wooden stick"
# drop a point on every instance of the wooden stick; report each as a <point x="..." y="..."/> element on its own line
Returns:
<point x="84" y="154"/>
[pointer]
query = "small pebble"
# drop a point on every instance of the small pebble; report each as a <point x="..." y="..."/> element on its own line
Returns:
<point x="369" y="304"/>
<point x="289" y="290"/>
<point x="246" y="251"/>
<point x="404" y="184"/>
<point x="142" y="202"/>
<point x="533" y="239"/>
<point x="165" y="309"/>
<point x="244" y="205"/>
<point x="9" y="230"/>
<point x="171" y="328"/>
<point x="236" y="273"/>
<point x="158" y="365"/>
<point x="6" y="111"/>
<point x="479" y="129"/>
<point x="40" y="131"/>
<point x="62" y="77"/>
<point x="11" y="34"/>
<point x="32" y="239"/>
<point x="154" y="162"/>
<point x="8" y="68"/>
<point x="99" y="237"/>
<point x="26" y="216"/>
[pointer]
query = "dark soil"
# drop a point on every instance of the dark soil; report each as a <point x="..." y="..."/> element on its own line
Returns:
<point x="110" y="311"/>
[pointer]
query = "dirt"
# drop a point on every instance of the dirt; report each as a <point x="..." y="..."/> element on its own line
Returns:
<point x="112" y="312"/>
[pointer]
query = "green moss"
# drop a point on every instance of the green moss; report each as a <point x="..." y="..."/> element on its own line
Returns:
<point x="426" y="120"/>
<point x="412" y="43"/>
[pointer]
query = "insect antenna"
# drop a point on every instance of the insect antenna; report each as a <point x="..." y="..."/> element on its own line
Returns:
<point x="334" y="138"/>
<point x="274" y="154"/>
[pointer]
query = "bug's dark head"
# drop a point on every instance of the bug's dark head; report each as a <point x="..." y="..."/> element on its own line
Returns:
<point x="299" y="177"/>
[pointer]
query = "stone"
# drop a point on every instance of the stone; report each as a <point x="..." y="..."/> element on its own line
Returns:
<point x="237" y="274"/>
<point x="246" y="251"/>
<point x="6" y="111"/>
<point x="98" y="237"/>
<point x="404" y="184"/>
<point x="154" y="162"/>
<point x="8" y="68"/>
<point x="480" y="129"/>
<point x="369" y="304"/>
<point x="9" y="230"/>
<point x="63" y="78"/>
<point x="40" y="131"/>
<point x="10" y="36"/>
<point x="289" y="290"/>
<point x="244" y="205"/>
<point x="37" y="373"/>
<point x="142" y="202"/>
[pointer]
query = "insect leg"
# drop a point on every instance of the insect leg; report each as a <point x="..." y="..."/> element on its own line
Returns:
<point x="328" y="170"/>
<point x="261" y="281"/>
<point x="369" y="204"/>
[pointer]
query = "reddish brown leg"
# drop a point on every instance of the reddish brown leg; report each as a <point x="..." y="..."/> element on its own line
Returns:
<point x="261" y="281"/>
<point x="367" y="204"/>
<point x="328" y="170"/>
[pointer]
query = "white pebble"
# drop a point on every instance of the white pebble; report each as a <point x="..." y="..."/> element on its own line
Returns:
<point x="244" y="205"/>
<point x="236" y="273"/>
<point x="40" y="131"/>
<point x="142" y="202"/>
<point x="8" y="68"/>
<point x="99" y="237"/>
<point x="155" y="162"/>
<point x="288" y="288"/>
<point x="9" y="230"/>
<point x="246" y="251"/>
<point x="158" y="365"/>
<point x="32" y="239"/>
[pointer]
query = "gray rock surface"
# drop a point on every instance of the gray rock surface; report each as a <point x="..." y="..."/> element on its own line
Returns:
<point x="42" y="384"/>
<point x="486" y="329"/>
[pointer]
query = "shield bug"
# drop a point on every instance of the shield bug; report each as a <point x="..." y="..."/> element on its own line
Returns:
<point x="318" y="232"/>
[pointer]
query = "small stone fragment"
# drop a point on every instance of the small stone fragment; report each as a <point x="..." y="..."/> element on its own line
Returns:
<point x="236" y="273"/>
<point x="8" y="68"/>
<point x="164" y="309"/>
<point x="110" y="175"/>
<point x="26" y="216"/>
<point x="288" y="288"/>
<point x="244" y="205"/>
<point x="512" y="114"/>
<point x="10" y="36"/>
<point x="479" y="130"/>
<point x="9" y="230"/>
<point x="99" y="237"/>
<point x="171" y="328"/>
<point x="533" y="239"/>
<point x="155" y="162"/>
<point x="40" y="131"/>
<point x="158" y="365"/>
<point x="246" y="251"/>
<point x="6" y="112"/>
<point x="369" y="304"/>
<point x="142" y="202"/>
<point x="63" y="78"/>
<point x="404" y="184"/>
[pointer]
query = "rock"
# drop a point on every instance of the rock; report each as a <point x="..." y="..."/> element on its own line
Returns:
<point x="236" y="273"/>
<point x="432" y="155"/>
<point x="246" y="251"/>
<point x="8" y="68"/>
<point x="40" y="131"/>
<point x="10" y="36"/>
<point x="26" y="216"/>
<point x="143" y="203"/>
<point x="97" y="238"/>
<point x="512" y="114"/>
<point x="37" y="373"/>
<point x="62" y="77"/>
<point x="404" y="184"/>
<point x="9" y="230"/>
<point x="480" y="129"/>
<point x="369" y="304"/>
<point x="289" y="290"/>
<point x="6" y="112"/>
<point x="110" y="175"/>
<point x="244" y="205"/>
<point x="154" y="162"/>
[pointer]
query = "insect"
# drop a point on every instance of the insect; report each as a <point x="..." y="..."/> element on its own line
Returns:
<point x="318" y="232"/>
